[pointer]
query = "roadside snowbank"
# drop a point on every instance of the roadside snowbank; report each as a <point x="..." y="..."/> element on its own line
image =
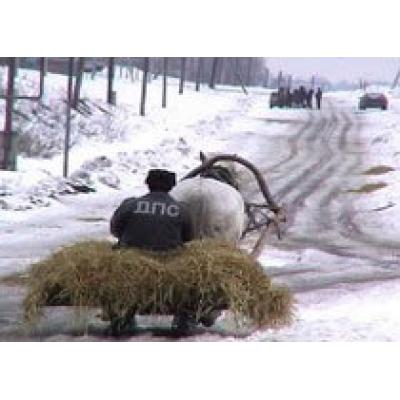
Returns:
<point x="114" y="148"/>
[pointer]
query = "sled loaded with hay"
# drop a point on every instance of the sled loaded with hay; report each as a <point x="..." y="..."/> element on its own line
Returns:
<point x="203" y="276"/>
<point x="207" y="274"/>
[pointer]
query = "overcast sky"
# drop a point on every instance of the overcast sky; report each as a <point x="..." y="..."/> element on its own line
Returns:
<point x="337" y="68"/>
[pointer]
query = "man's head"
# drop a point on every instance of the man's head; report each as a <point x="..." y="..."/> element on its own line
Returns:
<point x="160" y="180"/>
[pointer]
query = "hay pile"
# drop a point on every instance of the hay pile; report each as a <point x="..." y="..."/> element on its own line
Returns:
<point x="203" y="276"/>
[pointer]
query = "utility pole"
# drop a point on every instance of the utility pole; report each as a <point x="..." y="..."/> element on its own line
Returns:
<point x="182" y="78"/>
<point x="68" y="116"/>
<point x="144" y="86"/>
<point x="164" y="87"/>
<point x="110" y="88"/>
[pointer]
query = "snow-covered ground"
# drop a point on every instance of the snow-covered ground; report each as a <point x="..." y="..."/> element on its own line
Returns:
<point x="123" y="146"/>
<point x="111" y="153"/>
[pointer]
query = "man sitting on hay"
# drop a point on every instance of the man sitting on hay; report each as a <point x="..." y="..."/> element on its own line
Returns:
<point x="157" y="222"/>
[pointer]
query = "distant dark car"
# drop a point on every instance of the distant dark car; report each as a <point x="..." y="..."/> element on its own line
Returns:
<point x="373" y="100"/>
<point x="274" y="100"/>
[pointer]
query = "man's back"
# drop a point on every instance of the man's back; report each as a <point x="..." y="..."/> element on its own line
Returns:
<point x="155" y="222"/>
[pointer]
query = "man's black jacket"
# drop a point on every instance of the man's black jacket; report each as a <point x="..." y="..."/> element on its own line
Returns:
<point x="155" y="222"/>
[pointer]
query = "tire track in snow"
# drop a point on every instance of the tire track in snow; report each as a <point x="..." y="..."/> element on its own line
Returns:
<point x="293" y="142"/>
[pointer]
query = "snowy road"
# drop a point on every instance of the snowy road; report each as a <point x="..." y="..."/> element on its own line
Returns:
<point x="313" y="183"/>
<point x="311" y="160"/>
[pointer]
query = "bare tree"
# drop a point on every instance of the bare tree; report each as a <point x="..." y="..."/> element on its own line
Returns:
<point x="191" y="69"/>
<point x="68" y="116"/>
<point x="158" y="67"/>
<point x="235" y="67"/>
<point x="198" y="73"/>
<point x="223" y="72"/>
<point x="42" y="69"/>
<point x="131" y="70"/>
<point x="182" y="75"/>
<point x="213" y="72"/>
<point x="93" y="71"/>
<point x="111" y="73"/>
<point x="8" y="161"/>
<point x="164" y="91"/>
<point x="396" y="79"/>
<point x="78" y="82"/>
<point x="280" y="76"/>
<point x="144" y="86"/>
<point x="221" y="69"/>
<point x="249" y="71"/>
<point x="289" y="84"/>
<point x="266" y="77"/>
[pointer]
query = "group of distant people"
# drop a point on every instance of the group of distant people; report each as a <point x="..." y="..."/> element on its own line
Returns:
<point x="300" y="97"/>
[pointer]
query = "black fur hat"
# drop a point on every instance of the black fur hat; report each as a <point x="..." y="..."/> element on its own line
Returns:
<point x="161" y="179"/>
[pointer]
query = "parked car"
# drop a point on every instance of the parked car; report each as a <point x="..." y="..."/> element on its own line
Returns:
<point x="274" y="100"/>
<point x="373" y="100"/>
